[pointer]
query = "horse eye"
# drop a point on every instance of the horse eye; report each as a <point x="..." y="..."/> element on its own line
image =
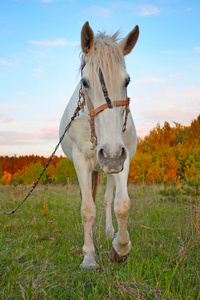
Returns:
<point x="85" y="83"/>
<point x="127" y="81"/>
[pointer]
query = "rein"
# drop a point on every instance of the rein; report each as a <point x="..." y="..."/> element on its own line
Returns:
<point x="80" y="106"/>
<point x="92" y="112"/>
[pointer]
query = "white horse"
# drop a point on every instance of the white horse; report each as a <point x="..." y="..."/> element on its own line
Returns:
<point x="102" y="135"/>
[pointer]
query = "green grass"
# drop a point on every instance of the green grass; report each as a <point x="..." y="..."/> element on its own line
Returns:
<point x="40" y="254"/>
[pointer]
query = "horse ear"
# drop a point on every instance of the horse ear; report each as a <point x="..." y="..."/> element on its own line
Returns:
<point x="129" y="41"/>
<point x="87" y="38"/>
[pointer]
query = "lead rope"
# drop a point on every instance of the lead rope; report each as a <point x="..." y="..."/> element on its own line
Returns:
<point x="80" y="106"/>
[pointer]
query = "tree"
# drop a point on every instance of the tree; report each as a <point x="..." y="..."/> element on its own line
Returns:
<point x="139" y="167"/>
<point x="32" y="172"/>
<point x="171" y="166"/>
<point x="65" y="172"/>
<point x="6" y="178"/>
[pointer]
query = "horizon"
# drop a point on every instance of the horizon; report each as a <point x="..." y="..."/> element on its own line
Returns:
<point x="39" y="62"/>
<point x="173" y="125"/>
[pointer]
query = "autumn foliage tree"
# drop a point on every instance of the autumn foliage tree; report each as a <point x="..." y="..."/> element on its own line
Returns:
<point x="168" y="154"/>
<point x="66" y="172"/>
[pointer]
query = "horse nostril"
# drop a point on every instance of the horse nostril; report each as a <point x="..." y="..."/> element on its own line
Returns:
<point x="123" y="153"/>
<point x="101" y="154"/>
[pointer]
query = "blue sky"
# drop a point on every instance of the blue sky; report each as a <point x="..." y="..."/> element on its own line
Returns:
<point x="39" y="62"/>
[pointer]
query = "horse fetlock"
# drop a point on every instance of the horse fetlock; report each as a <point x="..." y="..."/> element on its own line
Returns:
<point x="88" y="250"/>
<point x="110" y="232"/>
<point x="122" y="239"/>
<point x="122" y="249"/>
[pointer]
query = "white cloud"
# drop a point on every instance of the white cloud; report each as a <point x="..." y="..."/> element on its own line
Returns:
<point x="48" y="133"/>
<point x="149" y="9"/>
<point x="36" y="53"/>
<point x="57" y="120"/>
<point x="98" y="10"/>
<point x="7" y="119"/>
<point x="4" y="62"/>
<point x="54" y="43"/>
<point x="170" y="104"/>
<point x="21" y="138"/>
<point x="197" y="49"/>
<point x="41" y="68"/>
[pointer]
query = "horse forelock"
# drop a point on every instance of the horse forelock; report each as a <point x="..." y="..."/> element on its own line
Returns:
<point x="106" y="55"/>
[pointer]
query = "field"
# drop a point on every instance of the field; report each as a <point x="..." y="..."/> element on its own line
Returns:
<point x="41" y="246"/>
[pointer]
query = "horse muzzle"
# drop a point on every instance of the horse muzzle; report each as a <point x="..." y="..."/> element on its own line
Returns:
<point x="112" y="161"/>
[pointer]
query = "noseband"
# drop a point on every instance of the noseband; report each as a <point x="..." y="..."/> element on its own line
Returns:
<point x="109" y="104"/>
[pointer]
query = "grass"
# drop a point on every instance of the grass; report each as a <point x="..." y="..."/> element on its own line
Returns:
<point x="41" y="247"/>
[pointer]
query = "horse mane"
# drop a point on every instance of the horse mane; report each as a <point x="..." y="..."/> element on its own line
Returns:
<point x="107" y="55"/>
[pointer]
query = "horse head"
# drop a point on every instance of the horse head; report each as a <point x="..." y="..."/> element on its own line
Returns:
<point x="104" y="81"/>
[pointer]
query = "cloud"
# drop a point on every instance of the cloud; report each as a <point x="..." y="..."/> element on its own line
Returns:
<point x="148" y="9"/>
<point x="7" y="120"/>
<point x="37" y="53"/>
<point x="20" y="138"/>
<point x="54" y="43"/>
<point x="51" y="120"/>
<point x="41" y="68"/>
<point x="170" y="104"/>
<point x="4" y="62"/>
<point x="150" y="80"/>
<point x="98" y="10"/>
<point x="197" y="49"/>
<point x="49" y="133"/>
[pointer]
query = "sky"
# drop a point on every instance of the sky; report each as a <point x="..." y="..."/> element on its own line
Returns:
<point x="40" y="59"/>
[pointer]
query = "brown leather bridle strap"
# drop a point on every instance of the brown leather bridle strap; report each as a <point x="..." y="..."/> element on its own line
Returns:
<point x="93" y="112"/>
<point x="90" y="106"/>
<point x="99" y="109"/>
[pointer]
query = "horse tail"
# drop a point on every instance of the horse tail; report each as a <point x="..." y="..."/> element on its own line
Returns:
<point x="96" y="177"/>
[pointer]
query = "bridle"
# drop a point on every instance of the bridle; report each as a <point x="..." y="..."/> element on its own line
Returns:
<point x="95" y="111"/>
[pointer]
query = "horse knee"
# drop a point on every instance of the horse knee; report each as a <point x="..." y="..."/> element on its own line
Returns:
<point x="122" y="207"/>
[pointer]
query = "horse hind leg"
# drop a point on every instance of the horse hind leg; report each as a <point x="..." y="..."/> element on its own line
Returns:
<point x="108" y="198"/>
<point x="96" y="177"/>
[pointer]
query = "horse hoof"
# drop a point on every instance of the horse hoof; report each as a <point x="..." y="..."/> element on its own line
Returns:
<point x="114" y="256"/>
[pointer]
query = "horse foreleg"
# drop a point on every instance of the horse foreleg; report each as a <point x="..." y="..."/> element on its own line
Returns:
<point x="108" y="198"/>
<point x="121" y="243"/>
<point x="88" y="211"/>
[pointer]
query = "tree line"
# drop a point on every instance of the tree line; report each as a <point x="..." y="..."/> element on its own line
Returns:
<point x="169" y="154"/>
